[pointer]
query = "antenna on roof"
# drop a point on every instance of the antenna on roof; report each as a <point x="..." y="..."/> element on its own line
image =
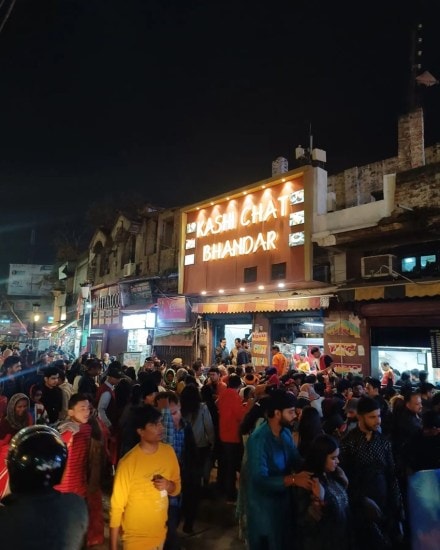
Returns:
<point x="417" y="77"/>
<point x="415" y="64"/>
<point x="308" y="155"/>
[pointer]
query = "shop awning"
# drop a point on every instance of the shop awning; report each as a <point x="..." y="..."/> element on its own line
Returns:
<point x="173" y="337"/>
<point x="63" y="325"/>
<point x="137" y="308"/>
<point x="390" y="291"/>
<point x="52" y="328"/>
<point x="288" y="304"/>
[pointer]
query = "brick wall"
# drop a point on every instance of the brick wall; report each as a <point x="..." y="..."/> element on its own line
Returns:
<point x="419" y="187"/>
<point x="357" y="184"/>
<point x="411" y="140"/>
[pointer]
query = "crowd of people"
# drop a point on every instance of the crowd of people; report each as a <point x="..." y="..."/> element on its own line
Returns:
<point x="309" y="459"/>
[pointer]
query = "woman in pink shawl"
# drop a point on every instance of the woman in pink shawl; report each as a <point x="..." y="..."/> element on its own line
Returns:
<point x="17" y="417"/>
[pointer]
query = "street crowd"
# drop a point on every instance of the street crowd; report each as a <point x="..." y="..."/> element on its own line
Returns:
<point x="309" y="459"/>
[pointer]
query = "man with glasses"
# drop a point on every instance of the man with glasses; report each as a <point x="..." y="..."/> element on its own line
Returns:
<point x="145" y="477"/>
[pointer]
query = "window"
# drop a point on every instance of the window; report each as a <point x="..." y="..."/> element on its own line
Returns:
<point x="427" y="261"/>
<point x="250" y="274"/>
<point x="409" y="264"/>
<point x="129" y="251"/>
<point x="278" y="271"/>
<point x="150" y="239"/>
<point x="322" y="273"/>
<point x="167" y="233"/>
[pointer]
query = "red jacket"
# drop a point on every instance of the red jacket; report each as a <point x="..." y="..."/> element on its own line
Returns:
<point x="231" y="412"/>
<point x="78" y="444"/>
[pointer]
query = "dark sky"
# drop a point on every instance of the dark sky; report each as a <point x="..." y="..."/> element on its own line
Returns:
<point x="178" y="100"/>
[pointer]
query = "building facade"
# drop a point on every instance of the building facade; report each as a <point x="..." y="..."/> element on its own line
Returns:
<point x="381" y="247"/>
<point x="246" y="266"/>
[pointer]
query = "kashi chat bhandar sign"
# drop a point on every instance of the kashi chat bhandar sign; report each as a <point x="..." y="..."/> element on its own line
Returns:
<point x="256" y="236"/>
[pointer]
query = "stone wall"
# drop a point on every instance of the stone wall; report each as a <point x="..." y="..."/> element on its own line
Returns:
<point x="420" y="187"/>
<point x="360" y="185"/>
<point x="411" y="140"/>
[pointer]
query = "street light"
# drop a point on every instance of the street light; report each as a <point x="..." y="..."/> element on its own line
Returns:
<point x="35" y="319"/>
<point x="86" y="313"/>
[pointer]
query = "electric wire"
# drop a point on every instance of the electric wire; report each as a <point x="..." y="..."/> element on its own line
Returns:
<point x="7" y="14"/>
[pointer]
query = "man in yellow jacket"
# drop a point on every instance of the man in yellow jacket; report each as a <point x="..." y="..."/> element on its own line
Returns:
<point x="145" y="477"/>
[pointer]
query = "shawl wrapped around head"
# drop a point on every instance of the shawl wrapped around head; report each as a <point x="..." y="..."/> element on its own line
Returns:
<point x="17" y="422"/>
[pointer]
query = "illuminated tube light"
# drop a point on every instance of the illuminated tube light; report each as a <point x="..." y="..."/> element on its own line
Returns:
<point x="281" y="285"/>
<point x="242" y="289"/>
<point x="203" y="293"/>
<point x="260" y="287"/>
<point x="221" y="291"/>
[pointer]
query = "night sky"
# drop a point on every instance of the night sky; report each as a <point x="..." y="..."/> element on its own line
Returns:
<point x="178" y="100"/>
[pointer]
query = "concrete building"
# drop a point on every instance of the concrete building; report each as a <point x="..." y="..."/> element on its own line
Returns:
<point x="246" y="265"/>
<point x="380" y="247"/>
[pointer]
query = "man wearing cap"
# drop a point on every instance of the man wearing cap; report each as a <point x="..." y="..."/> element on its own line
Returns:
<point x="272" y="457"/>
<point x="177" y="363"/>
<point x="367" y="459"/>
<point x="105" y="397"/>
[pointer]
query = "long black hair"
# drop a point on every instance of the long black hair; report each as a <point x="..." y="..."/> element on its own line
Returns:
<point x="322" y="446"/>
<point x="309" y="428"/>
<point x="190" y="401"/>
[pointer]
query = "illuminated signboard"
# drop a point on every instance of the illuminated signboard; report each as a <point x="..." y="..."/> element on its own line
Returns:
<point x="253" y="229"/>
<point x="137" y="321"/>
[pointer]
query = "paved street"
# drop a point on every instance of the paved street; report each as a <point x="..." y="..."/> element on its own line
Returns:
<point x="216" y="528"/>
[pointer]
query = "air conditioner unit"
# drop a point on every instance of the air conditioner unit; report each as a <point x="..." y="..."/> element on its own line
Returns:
<point x="378" y="266"/>
<point x="129" y="269"/>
